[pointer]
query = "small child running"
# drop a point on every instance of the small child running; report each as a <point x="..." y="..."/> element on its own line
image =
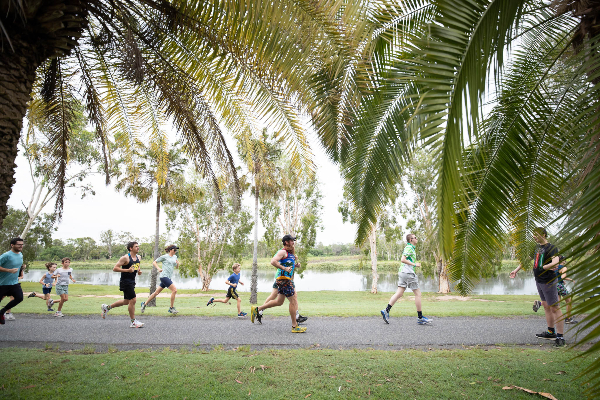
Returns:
<point x="232" y="281"/>
<point x="563" y="292"/>
<point x="8" y="315"/>
<point x="46" y="281"/>
<point x="407" y="279"/>
<point x="62" y="283"/>
<point x="169" y="263"/>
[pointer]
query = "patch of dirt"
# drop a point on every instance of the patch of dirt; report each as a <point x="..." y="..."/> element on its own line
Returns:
<point x="467" y="298"/>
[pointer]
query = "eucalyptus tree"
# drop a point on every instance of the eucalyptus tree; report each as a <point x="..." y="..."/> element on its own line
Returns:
<point x="198" y="64"/>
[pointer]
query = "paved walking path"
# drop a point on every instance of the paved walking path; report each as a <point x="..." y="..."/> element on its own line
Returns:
<point x="75" y="332"/>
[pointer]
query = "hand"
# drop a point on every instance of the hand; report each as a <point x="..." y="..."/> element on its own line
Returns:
<point x="287" y="269"/>
<point x="13" y="270"/>
<point x="235" y="285"/>
<point x="159" y="270"/>
<point x="242" y="283"/>
<point x="513" y="273"/>
<point x="74" y="280"/>
<point x="139" y="271"/>
<point x="417" y="264"/>
<point x="131" y="269"/>
<point x="47" y="284"/>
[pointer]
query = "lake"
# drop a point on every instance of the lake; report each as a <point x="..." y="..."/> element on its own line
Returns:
<point x="310" y="280"/>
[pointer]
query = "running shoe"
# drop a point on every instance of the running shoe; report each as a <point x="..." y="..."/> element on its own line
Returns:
<point x="298" y="329"/>
<point x="51" y="303"/>
<point x="32" y="294"/>
<point x="301" y="319"/>
<point x="9" y="316"/>
<point x="560" y="342"/>
<point x="242" y="314"/>
<point x="104" y="310"/>
<point x="143" y="306"/>
<point x="136" y="324"/>
<point x="386" y="316"/>
<point x="546" y="335"/>
<point x="536" y="305"/>
<point x="424" y="320"/>
<point x="253" y="312"/>
<point x="50" y="309"/>
<point x="570" y="321"/>
<point x="259" y="316"/>
<point x="212" y="300"/>
<point x="2" y="319"/>
<point x="59" y="314"/>
<point x="172" y="310"/>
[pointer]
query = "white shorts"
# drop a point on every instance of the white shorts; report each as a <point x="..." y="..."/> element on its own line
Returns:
<point x="408" y="280"/>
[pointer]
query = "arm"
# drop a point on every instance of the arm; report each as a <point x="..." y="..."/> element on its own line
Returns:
<point x="230" y="284"/>
<point x="122" y="261"/>
<point x="242" y="283"/>
<point x="177" y="264"/>
<point x="11" y="270"/>
<point x="278" y="257"/>
<point x="568" y="279"/>
<point x="156" y="266"/>
<point x="72" y="279"/>
<point x="408" y="262"/>
<point x="554" y="263"/>
<point x="42" y="280"/>
<point x="513" y="273"/>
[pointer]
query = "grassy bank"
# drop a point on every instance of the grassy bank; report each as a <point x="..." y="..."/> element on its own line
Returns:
<point x="86" y="299"/>
<point x="291" y="374"/>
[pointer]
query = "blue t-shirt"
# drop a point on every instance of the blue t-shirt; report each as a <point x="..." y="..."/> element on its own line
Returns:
<point x="233" y="279"/>
<point x="10" y="260"/>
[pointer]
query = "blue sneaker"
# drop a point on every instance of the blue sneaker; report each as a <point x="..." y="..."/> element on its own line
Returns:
<point x="386" y="316"/>
<point x="212" y="300"/>
<point x="424" y="321"/>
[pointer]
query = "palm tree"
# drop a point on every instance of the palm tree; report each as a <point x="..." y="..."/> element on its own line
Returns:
<point x="200" y="65"/>
<point x="160" y="172"/>
<point x="260" y="156"/>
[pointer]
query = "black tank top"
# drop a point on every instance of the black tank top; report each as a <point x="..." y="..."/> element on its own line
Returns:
<point x="129" y="277"/>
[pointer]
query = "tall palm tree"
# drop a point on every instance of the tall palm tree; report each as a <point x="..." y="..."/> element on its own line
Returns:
<point x="201" y="64"/>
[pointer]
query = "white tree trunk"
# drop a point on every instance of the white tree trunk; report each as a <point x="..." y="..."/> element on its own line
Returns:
<point x="254" y="283"/>
<point x="373" y="244"/>
<point x="444" y="285"/>
<point x="154" y="273"/>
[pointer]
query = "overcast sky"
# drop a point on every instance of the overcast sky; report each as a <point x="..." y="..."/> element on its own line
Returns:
<point x="111" y="210"/>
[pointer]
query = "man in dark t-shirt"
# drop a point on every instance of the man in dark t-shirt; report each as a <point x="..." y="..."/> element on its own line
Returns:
<point x="545" y="260"/>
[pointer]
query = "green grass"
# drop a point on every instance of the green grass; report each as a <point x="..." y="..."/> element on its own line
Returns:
<point x="324" y="303"/>
<point x="291" y="374"/>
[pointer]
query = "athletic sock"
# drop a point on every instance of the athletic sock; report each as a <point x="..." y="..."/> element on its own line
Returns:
<point x="108" y="308"/>
<point x="420" y="314"/>
<point x="551" y="330"/>
<point x="388" y="308"/>
<point x="133" y="320"/>
<point x="559" y="335"/>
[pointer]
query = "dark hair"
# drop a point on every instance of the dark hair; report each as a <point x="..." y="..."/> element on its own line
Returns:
<point x="408" y="237"/>
<point x="65" y="259"/>
<point x="130" y="245"/>
<point x="14" y="241"/>
<point x="49" y="264"/>
<point x="541" y="231"/>
<point x="171" y="247"/>
<point x="288" y="238"/>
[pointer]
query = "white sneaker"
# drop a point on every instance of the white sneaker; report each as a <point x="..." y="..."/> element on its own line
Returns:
<point x="59" y="314"/>
<point x="136" y="324"/>
<point x="104" y="310"/>
<point x="9" y="317"/>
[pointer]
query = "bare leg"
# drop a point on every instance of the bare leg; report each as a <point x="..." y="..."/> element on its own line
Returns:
<point x="417" y="293"/>
<point x="293" y="308"/>
<point x="225" y="300"/>
<point x="274" y="303"/>
<point x="131" y="308"/>
<point x="63" y="299"/>
<point x="549" y="314"/>
<point x="272" y="296"/>
<point x="173" y="290"/>
<point x="40" y="296"/>
<point x="558" y="317"/>
<point x="239" y="305"/>
<point x="153" y="295"/>
<point x="569" y="306"/>
<point x="396" y="295"/>
<point x="119" y="303"/>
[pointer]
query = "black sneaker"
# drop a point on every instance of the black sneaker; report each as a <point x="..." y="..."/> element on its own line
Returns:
<point x="259" y="317"/>
<point x="32" y="294"/>
<point x="301" y="319"/>
<point x="546" y="335"/>
<point x="2" y="319"/>
<point x="560" y="342"/>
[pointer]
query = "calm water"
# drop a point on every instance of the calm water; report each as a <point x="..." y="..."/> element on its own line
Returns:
<point x="309" y="281"/>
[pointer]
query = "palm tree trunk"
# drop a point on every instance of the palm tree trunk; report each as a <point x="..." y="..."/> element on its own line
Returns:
<point x="154" y="274"/>
<point x="254" y="284"/>
<point x="444" y="282"/>
<point x="373" y="244"/>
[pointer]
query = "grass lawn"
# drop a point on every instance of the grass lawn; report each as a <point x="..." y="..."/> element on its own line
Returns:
<point x="291" y="374"/>
<point x="86" y="299"/>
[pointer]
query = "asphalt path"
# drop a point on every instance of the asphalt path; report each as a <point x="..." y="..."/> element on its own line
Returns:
<point x="77" y="332"/>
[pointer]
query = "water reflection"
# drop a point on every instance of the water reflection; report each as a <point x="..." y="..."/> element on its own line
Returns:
<point x="309" y="281"/>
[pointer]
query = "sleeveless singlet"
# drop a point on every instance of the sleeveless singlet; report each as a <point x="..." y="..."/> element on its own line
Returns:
<point x="129" y="277"/>
<point x="288" y="261"/>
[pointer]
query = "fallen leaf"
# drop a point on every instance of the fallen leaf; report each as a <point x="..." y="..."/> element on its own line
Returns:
<point x="102" y="364"/>
<point x="308" y="395"/>
<point x="332" y="376"/>
<point x="340" y="389"/>
<point x="348" y="381"/>
<point x="65" y="360"/>
<point x="28" y="387"/>
<point x="561" y="373"/>
<point x="248" y="392"/>
<point x="489" y="378"/>
<point x="154" y="397"/>
<point x="238" y="382"/>
<point x="546" y="395"/>
<point x="147" y="373"/>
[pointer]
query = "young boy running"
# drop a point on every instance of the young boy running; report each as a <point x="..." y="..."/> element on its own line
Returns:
<point x="46" y="281"/>
<point x="10" y="267"/>
<point x="232" y="281"/>
<point x="129" y="267"/>
<point x="563" y="292"/>
<point x="285" y="262"/>
<point x="62" y="284"/>
<point x="408" y="279"/>
<point x="169" y="263"/>
<point x="545" y="261"/>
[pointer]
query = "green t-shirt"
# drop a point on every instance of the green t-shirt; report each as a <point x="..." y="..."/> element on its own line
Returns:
<point x="411" y="255"/>
<point x="168" y="265"/>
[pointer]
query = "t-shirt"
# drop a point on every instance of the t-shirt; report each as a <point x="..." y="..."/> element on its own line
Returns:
<point x="559" y="278"/>
<point x="233" y="279"/>
<point x="63" y="276"/>
<point x="411" y="255"/>
<point x="48" y="278"/>
<point x="168" y="265"/>
<point x="128" y="278"/>
<point x="543" y="256"/>
<point x="10" y="260"/>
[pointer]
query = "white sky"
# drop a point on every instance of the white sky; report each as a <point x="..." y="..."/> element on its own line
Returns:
<point x="110" y="210"/>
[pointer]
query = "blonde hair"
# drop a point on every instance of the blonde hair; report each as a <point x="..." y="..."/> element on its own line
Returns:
<point x="236" y="265"/>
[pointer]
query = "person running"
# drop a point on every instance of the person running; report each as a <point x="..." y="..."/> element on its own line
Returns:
<point x="169" y="263"/>
<point x="62" y="284"/>
<point x="8" y="315"/>
<point x="129" y="267"/>
<point x="46" y="281"/>
<point x="299" y="318"/>
<point x="10" y="267"/>
<point x="285" y="262"/>
<point x="407" y="278"/>
<point x="563" y="292"/>
<point x="545" y="261"/>
<point x="232" y="281"/>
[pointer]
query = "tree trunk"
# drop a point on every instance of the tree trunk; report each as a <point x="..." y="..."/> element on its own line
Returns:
<point x="373" y="244"/>
<point x="254" y="282"/>
<point x="444" y="283"/>
<point x="154" y="274"/>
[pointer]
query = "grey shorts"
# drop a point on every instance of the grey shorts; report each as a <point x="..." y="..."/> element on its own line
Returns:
<point x="62" y="289"/>
<point x="548" y="292"/>
<point x="408" y="280"/>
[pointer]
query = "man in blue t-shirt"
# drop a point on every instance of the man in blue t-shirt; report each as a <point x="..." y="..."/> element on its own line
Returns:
<point x="10" y="265"/>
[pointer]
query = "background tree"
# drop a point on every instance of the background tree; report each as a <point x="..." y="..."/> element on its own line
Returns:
<point x="108" y="237"/>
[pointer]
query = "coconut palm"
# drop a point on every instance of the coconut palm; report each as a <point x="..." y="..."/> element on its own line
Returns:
<point x="200" y="65"/>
